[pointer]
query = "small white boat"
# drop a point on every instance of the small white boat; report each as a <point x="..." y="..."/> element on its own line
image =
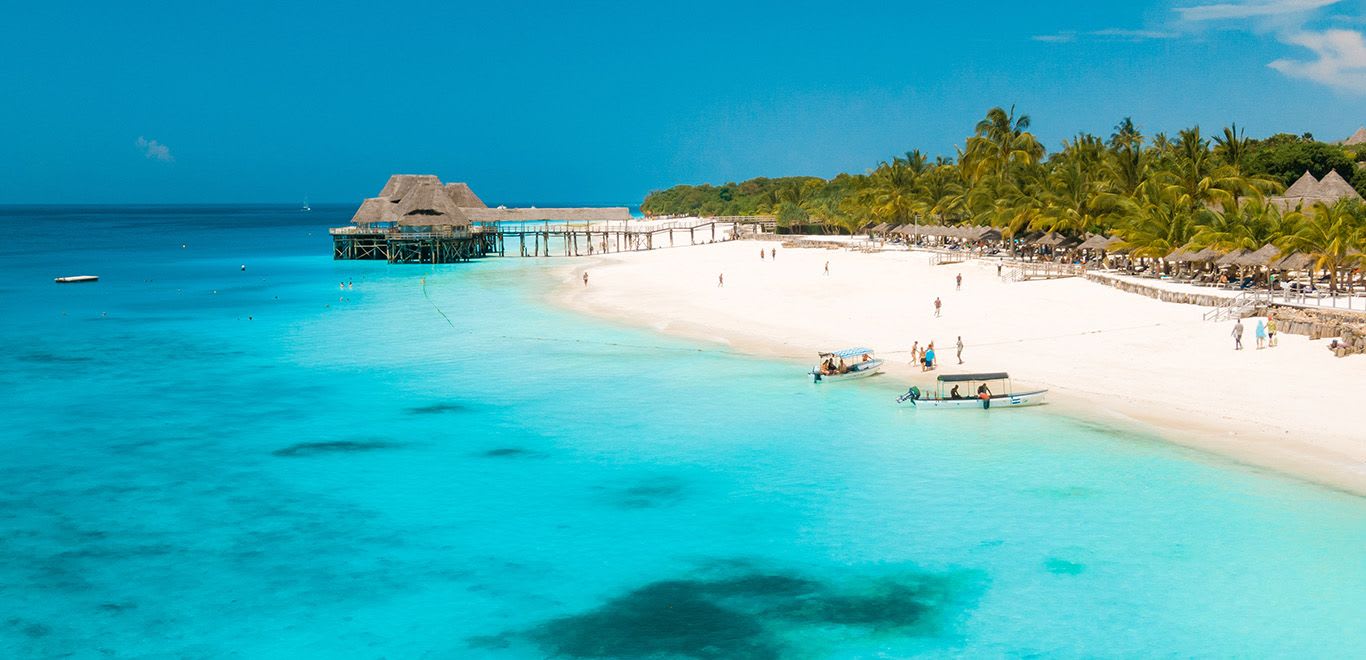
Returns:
<point x="72" y="279"/>
<point x="981" y="397"/>
<point x="848" y="364"/>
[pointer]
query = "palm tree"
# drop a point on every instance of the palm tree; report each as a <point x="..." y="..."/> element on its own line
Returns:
<point x="1233" y="147"/>
<point x="1249" y="226"/>
<point x="1001" y="140"/>
<point x="1333" y="235"/>
<point x="891" y="193"/>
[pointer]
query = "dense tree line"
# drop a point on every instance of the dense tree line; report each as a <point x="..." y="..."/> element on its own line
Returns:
<point x="1159" y="193"/>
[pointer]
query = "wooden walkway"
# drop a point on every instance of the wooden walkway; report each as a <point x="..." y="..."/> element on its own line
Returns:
<point x="522" y="240"/>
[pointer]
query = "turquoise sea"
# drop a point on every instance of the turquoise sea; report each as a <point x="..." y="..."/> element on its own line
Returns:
<point x="201" y="461"/>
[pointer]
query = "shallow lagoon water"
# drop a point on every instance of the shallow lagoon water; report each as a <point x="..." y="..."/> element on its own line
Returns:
<point x="458" y="470"/>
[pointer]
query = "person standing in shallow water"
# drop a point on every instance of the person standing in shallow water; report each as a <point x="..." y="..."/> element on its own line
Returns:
<point x="1238" y="335"/>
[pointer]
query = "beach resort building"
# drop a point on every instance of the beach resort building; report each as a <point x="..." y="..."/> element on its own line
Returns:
<point x="1308" y="191"/>
<point x="418" y="219"/>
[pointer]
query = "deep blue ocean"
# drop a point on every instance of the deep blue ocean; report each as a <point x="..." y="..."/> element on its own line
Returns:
<point x="201" y="461"/>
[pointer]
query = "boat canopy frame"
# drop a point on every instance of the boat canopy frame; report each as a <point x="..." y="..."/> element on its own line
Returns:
<point x="847" y="353"/>
<point x="964" y="378"/>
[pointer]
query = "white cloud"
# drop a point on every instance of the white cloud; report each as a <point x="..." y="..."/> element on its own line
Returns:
<point x="1136" y="35"/>
<point x="1340" y="63"/>
<point x="155" y="150"/>
<point x="1106" y="34"/>
<point x="1059" y="38"/>
<point x="1251" y="9"/>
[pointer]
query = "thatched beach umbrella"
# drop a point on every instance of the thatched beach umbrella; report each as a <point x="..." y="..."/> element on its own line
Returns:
<point x="1296" y="261"/>
<point x="1094" y="242"/>
<point x="1262" y="257"/>
<point x="1232" y="258"/>
<point x="1206" y="255"/>
<point x="1178" y="257"/>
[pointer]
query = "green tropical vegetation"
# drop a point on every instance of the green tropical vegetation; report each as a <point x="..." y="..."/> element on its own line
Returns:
<point x="1157" y="193"/>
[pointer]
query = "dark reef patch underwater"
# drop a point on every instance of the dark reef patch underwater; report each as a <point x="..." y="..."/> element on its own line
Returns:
<point x="333" y="447"/>
<point x="438" y="409"/>
<point x="751" y="613"/>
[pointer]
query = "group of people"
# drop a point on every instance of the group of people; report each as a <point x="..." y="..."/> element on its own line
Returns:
<point x="829" y="368"/>
<point x="1265" y="333"/>
<point x="983" y="392"/>
<point x="925" y="356"/>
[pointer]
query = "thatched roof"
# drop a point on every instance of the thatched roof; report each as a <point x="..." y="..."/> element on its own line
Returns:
<point x="1333" y="187"/>
<point x="1179" y="257"/>
<point x="375" y="210"/>
<point x="427" y="205"/>
<point x="463" y="197"/>
<point x="585" y="214"/>
<point x="1205" y="255"/>
<point x="1262" y="257"/>
<point x="1232" y="258"/>
<point x="1098" y="242"/>
<point x="1358" y="137"/>
<point x="1053" y="239"/>
<point x="1306" y="191"/>
<point x="399" y="184"/>
<point x="1294" y="262"/>
<point x="1302" y="187"/>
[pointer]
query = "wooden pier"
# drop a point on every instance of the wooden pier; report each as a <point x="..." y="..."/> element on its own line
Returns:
<point x="398" y="246"/>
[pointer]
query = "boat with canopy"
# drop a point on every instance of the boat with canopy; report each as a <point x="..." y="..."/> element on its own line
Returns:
<point x="973" y="391"/>
<point x="847" y="364"/>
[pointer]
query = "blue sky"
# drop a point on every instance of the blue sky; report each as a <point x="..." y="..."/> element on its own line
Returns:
<point x="601" y="102"/>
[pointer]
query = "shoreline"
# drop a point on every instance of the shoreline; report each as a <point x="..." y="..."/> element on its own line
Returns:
<point x="1105" y="365"/>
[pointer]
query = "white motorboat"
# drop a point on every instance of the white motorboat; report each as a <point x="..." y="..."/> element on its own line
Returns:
<point x="982" y="397"/>
<point x="848" y="364"/>
<point x="72" y="279"/>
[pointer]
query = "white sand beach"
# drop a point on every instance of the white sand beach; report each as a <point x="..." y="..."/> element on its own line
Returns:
<point x="1105" y="354"/>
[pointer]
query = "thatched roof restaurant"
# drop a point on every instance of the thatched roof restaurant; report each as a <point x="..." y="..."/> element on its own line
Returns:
<point x="421" y="200"/>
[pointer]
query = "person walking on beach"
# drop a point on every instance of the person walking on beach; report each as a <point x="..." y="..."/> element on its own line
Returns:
<point x="827" y="268"/>
<point x="958" y="282"/>
<point x="937" y="306"/>
<point x="960" y="349"/>
<point x="720" y="280"/>
<point x="1261" y="334"/>
<point x="585" y="278"/>
<point x="1238" y="335"/>
<point x="1270" y="331"/>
